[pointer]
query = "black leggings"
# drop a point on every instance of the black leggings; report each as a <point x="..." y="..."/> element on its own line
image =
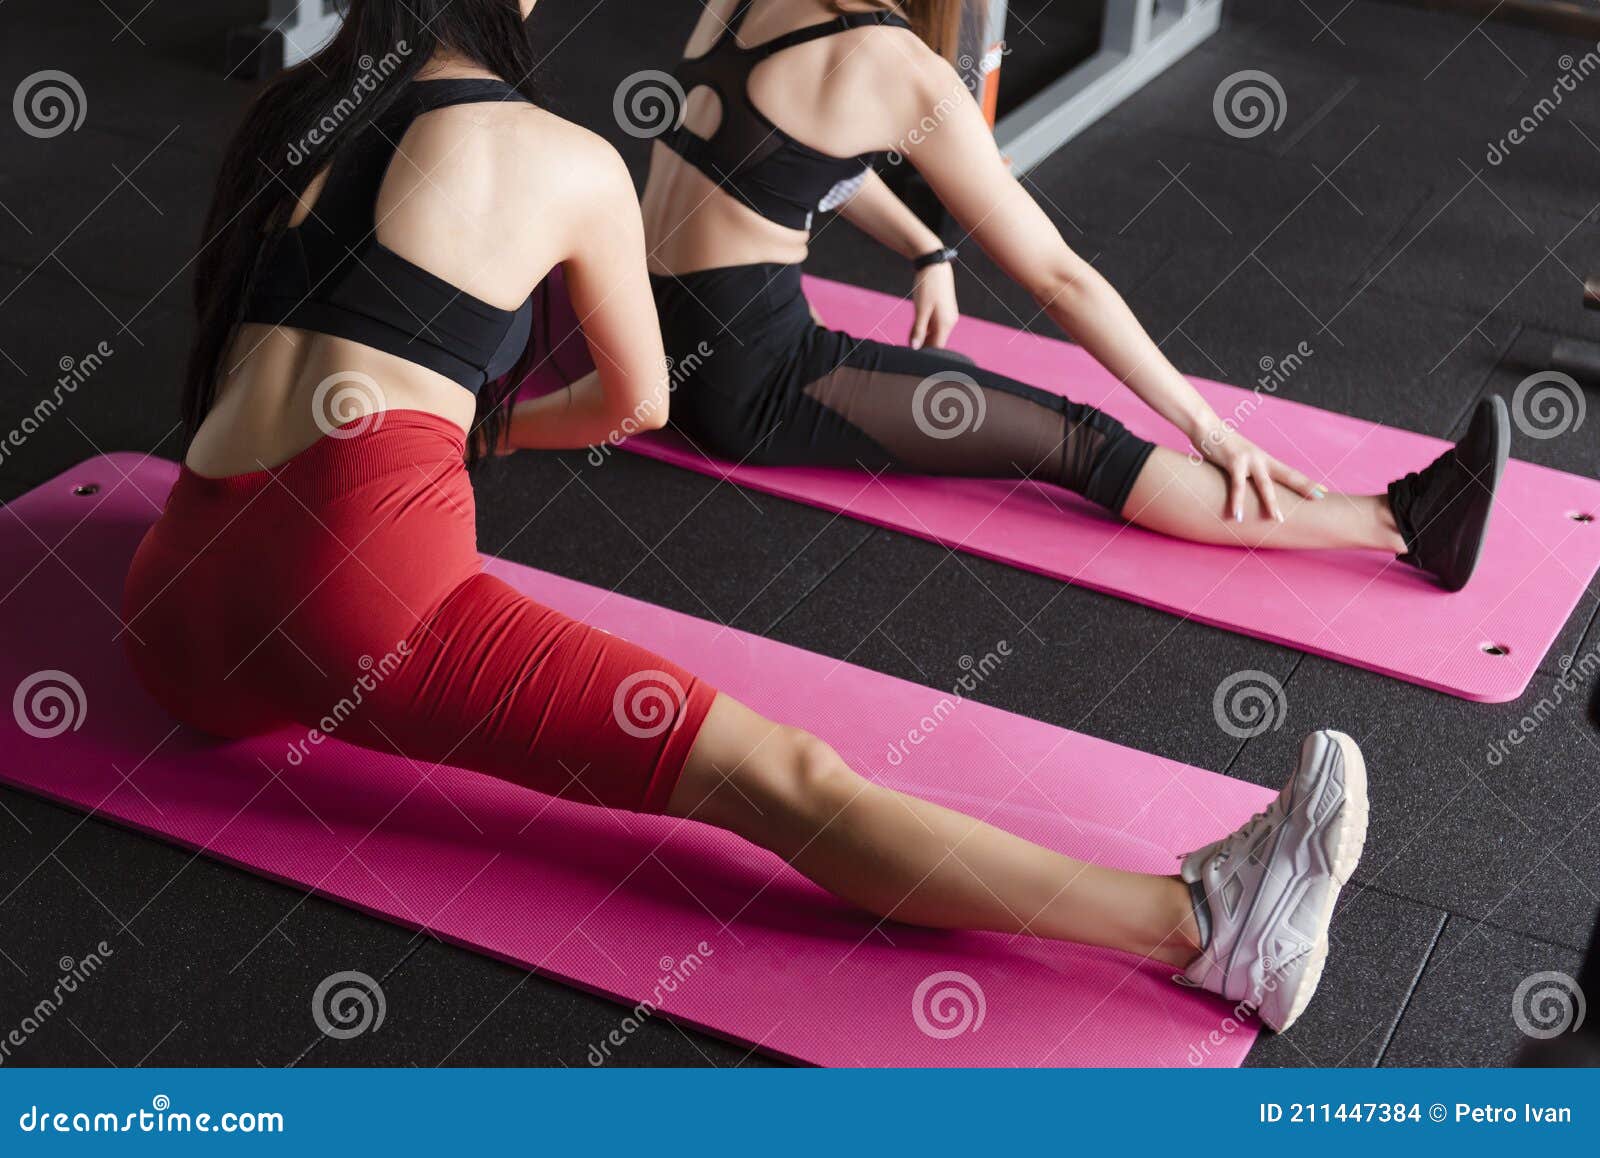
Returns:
<point x="758" y="381"/>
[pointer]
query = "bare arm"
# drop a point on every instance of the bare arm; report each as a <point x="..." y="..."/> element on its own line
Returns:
<point x="882" y="216"/>
<point x="962" y="164"/>
<point x="610" y="291"/>
<point x="960" y="161"/>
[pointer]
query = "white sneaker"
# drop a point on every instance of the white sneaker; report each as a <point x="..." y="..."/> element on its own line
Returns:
<point x="1270" y="888"/>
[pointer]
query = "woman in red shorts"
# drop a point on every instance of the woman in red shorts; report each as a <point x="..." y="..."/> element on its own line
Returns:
<point x="381" y="220"/>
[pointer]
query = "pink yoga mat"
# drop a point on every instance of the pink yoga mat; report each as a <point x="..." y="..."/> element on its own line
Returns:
<point x="715" y="932"/>
<point x="1483" y="643"/>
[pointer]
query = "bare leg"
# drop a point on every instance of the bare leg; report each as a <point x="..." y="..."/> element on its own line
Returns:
<point x="910" y="860"/>
<point x="1188" y="500"/>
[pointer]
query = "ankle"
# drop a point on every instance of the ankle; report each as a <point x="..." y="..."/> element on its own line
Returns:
<point x="1386" y="532"/>
<point x="1178" y="941"/>
<point x="1178" y="951"/>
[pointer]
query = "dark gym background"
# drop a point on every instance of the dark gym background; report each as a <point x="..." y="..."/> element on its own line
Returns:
<point x="1370" y="226"/>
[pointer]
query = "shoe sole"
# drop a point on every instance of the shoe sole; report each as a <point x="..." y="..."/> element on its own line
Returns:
<point x="1502" y="430"/>
<point x="1350" y="837"/>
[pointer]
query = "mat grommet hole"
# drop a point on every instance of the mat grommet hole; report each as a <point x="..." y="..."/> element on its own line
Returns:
<point x="1489" y="647"/>
<point x="86" y="489"/>
<point x="1580" y="516"/>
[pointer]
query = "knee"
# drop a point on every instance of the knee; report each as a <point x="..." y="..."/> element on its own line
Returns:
<point x="817" y="775"/>
<point x="803" y="776"/>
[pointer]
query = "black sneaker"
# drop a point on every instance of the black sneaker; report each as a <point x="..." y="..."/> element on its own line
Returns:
<point x="1442" y="511"/>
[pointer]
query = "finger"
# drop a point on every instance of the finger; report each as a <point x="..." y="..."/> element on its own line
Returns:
<point x="1299" y="483"/>
<point x="1236" y="485"/>
<point x="943" y="324"/>
<point x="919" y="328"/>
<point x="1268" y="492"/>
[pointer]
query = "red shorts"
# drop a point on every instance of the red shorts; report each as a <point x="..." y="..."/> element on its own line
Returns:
<point x="342" y="594"/>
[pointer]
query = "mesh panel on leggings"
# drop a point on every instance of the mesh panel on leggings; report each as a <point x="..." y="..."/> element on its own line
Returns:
<point x="949" y="424"/>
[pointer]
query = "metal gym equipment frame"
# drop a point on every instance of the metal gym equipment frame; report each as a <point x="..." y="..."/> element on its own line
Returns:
<point x="306" y="25"/>
<point x="1139" y="40"/>
<point x="293" y="31"/>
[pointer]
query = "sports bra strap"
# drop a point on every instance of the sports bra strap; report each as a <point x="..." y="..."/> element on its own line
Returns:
<point x="348" y="202"/>
<point x="832" y="28"/>
<point x="428" y="95"/>
<point x="331" y="275"/>
<point x="747" y="155"/>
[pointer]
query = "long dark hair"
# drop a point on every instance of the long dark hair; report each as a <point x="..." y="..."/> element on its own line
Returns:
<point x="298" y="124"/>
<point x="937" y="22"/>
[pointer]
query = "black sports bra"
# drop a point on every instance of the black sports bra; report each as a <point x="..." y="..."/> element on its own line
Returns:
<point x="331" y="275"/>
<point x="749" y="156"/>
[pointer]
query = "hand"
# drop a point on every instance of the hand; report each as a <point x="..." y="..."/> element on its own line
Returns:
<point x="933" y="292"/>
<point x="1247" y="465"/>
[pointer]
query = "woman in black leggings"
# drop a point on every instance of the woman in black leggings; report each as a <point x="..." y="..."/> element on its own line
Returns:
<point x="788" y="102"/>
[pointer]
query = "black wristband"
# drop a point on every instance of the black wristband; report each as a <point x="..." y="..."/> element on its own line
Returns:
<point x="937" y="257"/>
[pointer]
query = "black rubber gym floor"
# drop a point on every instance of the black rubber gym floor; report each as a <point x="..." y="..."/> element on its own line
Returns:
<point x="1370" y="225"/>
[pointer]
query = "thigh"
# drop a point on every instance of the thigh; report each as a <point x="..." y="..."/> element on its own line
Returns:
<point x="498" y="683"/>
<point x="929" y="411"/>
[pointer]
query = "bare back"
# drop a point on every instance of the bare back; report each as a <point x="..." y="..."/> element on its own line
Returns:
<point x="457" y="201"/>
<point x="825" y="94"/>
